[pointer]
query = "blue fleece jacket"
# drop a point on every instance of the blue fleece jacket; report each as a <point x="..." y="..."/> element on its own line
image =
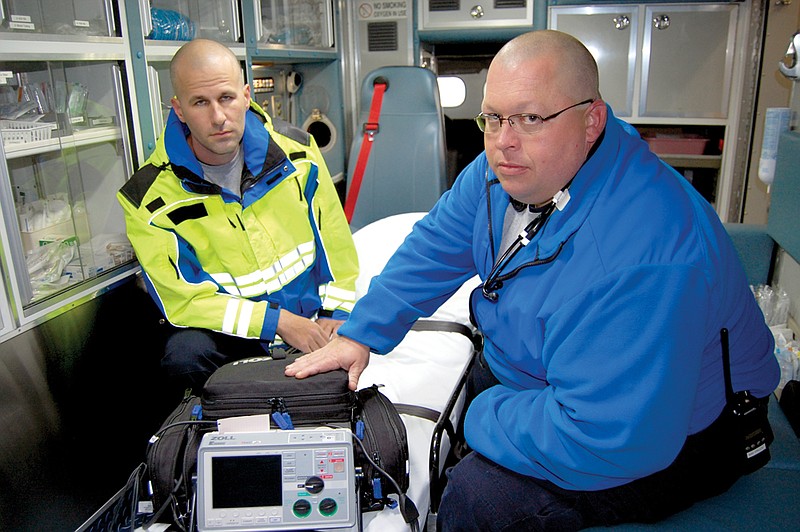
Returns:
<point x="607" y="343"/>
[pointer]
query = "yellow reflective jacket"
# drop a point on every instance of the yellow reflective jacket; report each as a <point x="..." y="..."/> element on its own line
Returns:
<point x="216" y="261"/>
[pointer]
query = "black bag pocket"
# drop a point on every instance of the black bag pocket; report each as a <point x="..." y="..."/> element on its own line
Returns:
<point x="171" y="460"/>
<point x="385" y="444"/>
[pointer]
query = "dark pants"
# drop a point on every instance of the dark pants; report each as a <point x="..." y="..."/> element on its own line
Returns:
<point x="192" y="355"/>
<point x="483" y="496"/>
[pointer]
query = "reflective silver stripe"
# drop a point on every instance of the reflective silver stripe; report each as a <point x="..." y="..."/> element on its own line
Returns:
<point x="230" y="316"/>
<point x="337" y="298"/>
<point x="255" y="290"/>
<point x="225" y="280"/>
<point x="272" y="278"/>
<point x="245" y="314"/>
<point x="222" y="278"/>
<point x="249" y="278"/>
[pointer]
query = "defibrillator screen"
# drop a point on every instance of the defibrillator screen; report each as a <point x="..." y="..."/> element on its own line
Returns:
<point x="246" y="481"/>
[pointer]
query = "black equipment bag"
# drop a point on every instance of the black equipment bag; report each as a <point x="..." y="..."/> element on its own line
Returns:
<point x="172" y="461"/>
<point x="385" y="442"/>
<point x="258" y="386"/>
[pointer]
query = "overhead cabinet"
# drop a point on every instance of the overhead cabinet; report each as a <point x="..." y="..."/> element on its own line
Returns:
<point x="471" y="14"/>
<point x="659" y="61"/>
<point x="670" y="70"/>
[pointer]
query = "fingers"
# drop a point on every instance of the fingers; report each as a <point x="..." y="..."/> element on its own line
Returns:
<point x="340" y="353"/>
<point x="311" y="364"/>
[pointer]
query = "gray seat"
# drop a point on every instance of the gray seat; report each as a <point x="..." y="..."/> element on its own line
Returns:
<point x="406" y="167"/>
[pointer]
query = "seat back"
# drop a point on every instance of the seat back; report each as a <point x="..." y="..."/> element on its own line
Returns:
<point x="406" y="170"/>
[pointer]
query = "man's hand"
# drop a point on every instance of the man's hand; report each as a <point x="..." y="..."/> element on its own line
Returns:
<point x="342" y="352"/>
<point x="330" y="326"/>
<point x="301" y="333"/>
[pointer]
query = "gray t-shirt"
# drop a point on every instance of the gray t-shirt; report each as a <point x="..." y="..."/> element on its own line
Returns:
<point x="228" y="175"/>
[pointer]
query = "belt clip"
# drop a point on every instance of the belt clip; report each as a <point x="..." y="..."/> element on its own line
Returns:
<point x="371" y="128"/>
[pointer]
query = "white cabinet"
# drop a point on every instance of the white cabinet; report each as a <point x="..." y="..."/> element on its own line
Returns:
<point x="65" y="151"/>
<point x="670" y="69"/>
<point x="473" y="14"/>
<point x="660" y="60"/>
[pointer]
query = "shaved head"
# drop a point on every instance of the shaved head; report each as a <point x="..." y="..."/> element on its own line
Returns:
<point x="202" y="55"/>
<point x="574" y="65"/>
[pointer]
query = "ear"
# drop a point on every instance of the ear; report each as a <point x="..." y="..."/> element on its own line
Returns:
<point x="247" y="93"/>
<point x="176" y="106"/>
<point x="596" y="117"/>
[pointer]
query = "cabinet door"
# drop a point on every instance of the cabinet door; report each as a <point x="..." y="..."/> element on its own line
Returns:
<point x="689" y="68"/>
<point x="64" y="162"/>
<point x="183" y="20"/>
<point x="58" y="17"/>
<point x="611" y="34"/>
<point x="296" y="23"/>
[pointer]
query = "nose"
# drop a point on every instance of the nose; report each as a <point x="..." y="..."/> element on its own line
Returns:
<point x="506" y="137"/>
<point x="218" y="116"/>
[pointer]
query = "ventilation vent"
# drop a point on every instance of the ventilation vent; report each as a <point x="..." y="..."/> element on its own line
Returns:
<point x="505" y="4"/>
<point x="444" y="5"/>
<point x="382" y="36"/>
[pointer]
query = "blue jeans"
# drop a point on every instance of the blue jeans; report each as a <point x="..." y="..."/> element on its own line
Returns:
<point x="483" y="496"/>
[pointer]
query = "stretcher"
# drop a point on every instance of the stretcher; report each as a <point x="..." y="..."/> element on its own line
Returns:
<point x="426" y="369"/>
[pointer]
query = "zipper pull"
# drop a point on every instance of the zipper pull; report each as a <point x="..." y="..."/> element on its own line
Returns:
<point x="280" y="414"/>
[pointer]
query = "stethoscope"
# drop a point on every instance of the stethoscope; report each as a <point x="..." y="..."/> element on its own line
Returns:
<point x="494" y="281"/>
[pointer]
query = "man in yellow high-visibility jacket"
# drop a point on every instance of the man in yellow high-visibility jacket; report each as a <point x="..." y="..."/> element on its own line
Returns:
<point x="236" y="224"/>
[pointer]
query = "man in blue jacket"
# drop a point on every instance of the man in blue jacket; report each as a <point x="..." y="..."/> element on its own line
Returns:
<point x="606" y="282"/>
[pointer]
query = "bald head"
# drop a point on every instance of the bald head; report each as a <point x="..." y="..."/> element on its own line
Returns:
<point x="202" y="56"/>
<point x="575" y="66"/>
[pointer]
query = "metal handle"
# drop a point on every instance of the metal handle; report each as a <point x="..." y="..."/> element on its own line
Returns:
<point x="122" y="119"/>
<point x="146" y="18"/>
<point x="476" y="12"/>
<point x="791" y="69"/>
<point x="237" y="32"/>
<point x="621" y="22"/>
<point x="155" y="100"/>
<point x="661" y="22"/>
<point x="257" y="18"/>
<point x="111" y="24"/>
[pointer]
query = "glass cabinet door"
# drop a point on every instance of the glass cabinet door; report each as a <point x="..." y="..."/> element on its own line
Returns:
<point x="58" y="17"/>
<point x="689" y="69"/>
<point x="183" y="20"/>
<point x="611" y="34"/>
<point x="295" y="22"/>
<point x="66" y="151"/>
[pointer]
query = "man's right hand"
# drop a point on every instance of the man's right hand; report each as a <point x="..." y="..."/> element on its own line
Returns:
<point x="342" y="352"/>
<point x="301" y="333"/>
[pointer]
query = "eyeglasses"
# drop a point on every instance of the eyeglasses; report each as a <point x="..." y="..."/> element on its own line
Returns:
<point x="526" y="123"/>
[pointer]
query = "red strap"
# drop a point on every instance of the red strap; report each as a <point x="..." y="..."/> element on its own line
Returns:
<point x="370" y="128"/>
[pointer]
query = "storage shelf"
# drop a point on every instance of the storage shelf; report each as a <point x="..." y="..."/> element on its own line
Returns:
<point x="79" y="138"/>
<point x="692" y="161"/>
